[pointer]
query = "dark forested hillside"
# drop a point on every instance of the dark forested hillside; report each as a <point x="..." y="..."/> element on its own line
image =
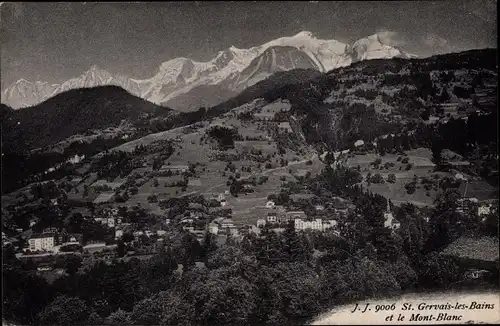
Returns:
<point x="73" y="112"/>
<point x="269" y="85"/>
<point x="376" y="97"/>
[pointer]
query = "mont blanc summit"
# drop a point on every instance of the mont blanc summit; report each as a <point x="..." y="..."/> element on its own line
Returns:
<point x="230" y="71"/>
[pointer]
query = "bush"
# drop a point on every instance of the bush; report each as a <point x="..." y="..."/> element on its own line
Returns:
<point x="411" y="187"/>
<point x="152" y="199"/>
<point x="224" y="136"/>
<point x="377" y="178"/>
<point x="409" y="166"/>
<point x="462" y="92"/>
<point x="388" y="165"/>
<point x="391" y="178"/>
<point x="262" y="180"/>
<point x="405" y="160"/>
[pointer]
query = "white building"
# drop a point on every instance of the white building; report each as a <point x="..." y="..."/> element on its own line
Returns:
<point x="227" y="223"/>
<point x="272" y="218"/>
<point x="330" y="224"/>
<point x="118" y="234"/>
<point x="301" y="225"/>
<point x="137" y="234"/>
<point x="359" y="143"/>
<point x="174" y="168"/>
<point x="42" y="242"/>
<point x="261" y="222"/>
<point x="293" y="215"/>
<point x="319" y="207"/>
<point x="213" y="228"/>
<point x="390" y="221"/>
<point x="285" y="127"/>
<point x="187" y="220"/>
<point x="270" y="204"/>
<point x="484" y="210"/>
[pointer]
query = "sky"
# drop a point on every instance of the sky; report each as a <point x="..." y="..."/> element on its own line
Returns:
<point x="56" y="41"/>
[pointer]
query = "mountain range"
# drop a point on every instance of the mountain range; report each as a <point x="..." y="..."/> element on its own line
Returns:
<point x="186" y="85"/>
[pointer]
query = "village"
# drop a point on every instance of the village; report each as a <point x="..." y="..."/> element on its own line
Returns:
<point x="209" y="215"/>
<point x="137" y="209"/>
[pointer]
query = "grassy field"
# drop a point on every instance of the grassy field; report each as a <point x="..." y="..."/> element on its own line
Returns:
<point x="421" y="167"/>
<point x="191" y="146"/>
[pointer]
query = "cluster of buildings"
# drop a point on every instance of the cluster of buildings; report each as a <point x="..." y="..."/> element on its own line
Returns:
<point x="302" y="222"/>
<point x="50" y="240"/>
<point x="472" y="206"/>
<point x="175" y="169"/>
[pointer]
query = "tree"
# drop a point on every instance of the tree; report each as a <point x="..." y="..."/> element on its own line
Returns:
<point x="119" y="317"/>
<point x="120" y="249"/>
<point x="24" y="294"/>
<point x="411" y="187"/>
<point x="446" y="223"/>
<point x="149" y="311"/>
<point x="94" y="319"/>
<point x="65" y="310"/>
<point x="444" y="96"/>
<point x="490" y="225"/>
<point x="330" y="158"/>
<point x="425" y="115"/>
<point x="391" y="178"/>
<point x="293" y="293"/>
<point x="128" y="237"/>
<point x="72" y="264"/>
<point x="437" y="271"/>
<point x="369" y="178"/>
<point x="462" y="92"/>
<point x="295" y="247"/>
<point x="157" y="272"/>
<point x="377" y="178"/>
<point x="222" y="299"/>
<point x="209" y="244"/>
<point x="224" y="136"/>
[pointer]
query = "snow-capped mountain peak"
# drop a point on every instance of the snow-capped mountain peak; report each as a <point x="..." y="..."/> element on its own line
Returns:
<point x="22" y="81"/>
<point x="232" y="69"/>
<point x="372" y="47"/>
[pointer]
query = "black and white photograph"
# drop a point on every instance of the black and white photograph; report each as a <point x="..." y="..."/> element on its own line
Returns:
<point x="249" y="163"/>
